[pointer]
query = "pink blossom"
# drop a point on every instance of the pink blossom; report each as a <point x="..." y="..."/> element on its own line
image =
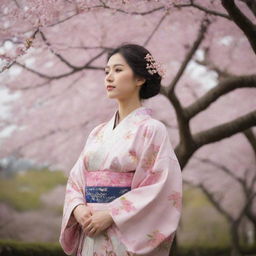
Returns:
<point x="156" y="238"/>
<point x="175" y="198"/>
<point x="153" y="66"/>
<point x="127" y="205"/>
<point x="150" y="157"/>
<point x="5" y="57"/>
<point x="20" y="51"/>
<point x="115" y="211"/>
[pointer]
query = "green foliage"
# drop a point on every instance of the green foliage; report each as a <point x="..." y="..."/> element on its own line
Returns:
<point x="23" y="191"/>
<point x="15" y="248"/>
<point x="193" y="197"/>
<point x="201" y="224"/>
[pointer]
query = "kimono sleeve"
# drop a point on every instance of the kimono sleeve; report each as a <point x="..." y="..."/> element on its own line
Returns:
<point x="147" y="216"/>
<point x="70" y="229"/>
<point x="75" y="194"/>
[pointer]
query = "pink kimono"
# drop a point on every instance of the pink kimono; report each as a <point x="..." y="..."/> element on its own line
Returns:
<point x="133" y="172"/>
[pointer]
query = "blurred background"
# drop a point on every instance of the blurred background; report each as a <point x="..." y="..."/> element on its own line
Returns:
<point x="52" y="94"/>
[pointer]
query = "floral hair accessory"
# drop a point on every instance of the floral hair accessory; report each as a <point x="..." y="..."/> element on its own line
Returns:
<point x="154" y="67"/>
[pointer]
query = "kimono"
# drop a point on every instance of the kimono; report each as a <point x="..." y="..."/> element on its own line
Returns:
<point x="131" y="171"/>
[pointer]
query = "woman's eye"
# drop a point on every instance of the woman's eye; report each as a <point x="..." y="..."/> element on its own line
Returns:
<point x="117" y="70"/>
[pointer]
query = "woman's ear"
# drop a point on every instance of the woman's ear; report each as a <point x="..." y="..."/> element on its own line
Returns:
<point x="140" y="81"/>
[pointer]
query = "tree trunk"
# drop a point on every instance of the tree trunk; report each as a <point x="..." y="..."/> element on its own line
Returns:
<point x="235" y="248"/>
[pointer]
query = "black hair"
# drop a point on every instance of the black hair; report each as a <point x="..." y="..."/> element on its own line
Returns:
<point x="135" y="57"/>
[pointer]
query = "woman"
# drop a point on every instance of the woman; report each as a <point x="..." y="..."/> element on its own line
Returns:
<point x="123" y="195"/>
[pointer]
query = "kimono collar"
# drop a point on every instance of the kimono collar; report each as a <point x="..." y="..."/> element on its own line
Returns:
<point x="140" y="112"/>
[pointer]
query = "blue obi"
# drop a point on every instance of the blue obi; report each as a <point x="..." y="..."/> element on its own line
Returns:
<point x="104" y="194"/>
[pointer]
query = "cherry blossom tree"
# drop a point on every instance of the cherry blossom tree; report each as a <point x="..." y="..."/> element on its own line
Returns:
<point x="47" y="23"/>
<point x="53" y="56"/>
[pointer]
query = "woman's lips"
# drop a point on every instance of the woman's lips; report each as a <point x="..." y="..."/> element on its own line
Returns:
<point x="110" y="87"/>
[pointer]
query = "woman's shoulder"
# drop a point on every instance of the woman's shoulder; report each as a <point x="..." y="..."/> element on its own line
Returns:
<point x="155" y="124"/>
<point x="154" y="128"/>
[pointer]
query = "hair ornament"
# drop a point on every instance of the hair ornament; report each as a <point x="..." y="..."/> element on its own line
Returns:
<point x="154" y="67"/>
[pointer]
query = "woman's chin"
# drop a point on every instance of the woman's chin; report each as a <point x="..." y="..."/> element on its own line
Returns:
<point x="111" y="95"/>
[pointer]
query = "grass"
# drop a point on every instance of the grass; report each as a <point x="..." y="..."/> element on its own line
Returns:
<point x="201" y="224"/>
<point x="23" y="191"/>
<point x="16" y="248"/>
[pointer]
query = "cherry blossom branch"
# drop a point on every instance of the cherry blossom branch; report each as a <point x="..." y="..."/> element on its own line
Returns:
<point x="200" y="36"/>
<point x="222" y="74"/>
<point x="65" y="61"/>
<point x="225" y="130"/>
<point x="106" y="48"/>
<point x="58" y="76"/>
<point x="64" y="90"/>
<point x="182" y="120"/>
<point x="251" y="4"/>
<point x="74" y="69"/>
<point x="247" y="187"/>
<point x="155" y="29"/>
<point x="251" y="215"/>
<point x="104" y="5"/>
<point x="11" y="61"/>
<point x="234" y="222"/>
<point x="16" y="3"/>
<point x="48" y="134"/>
<point x="20" y="51"/>
<point x="202" y="8"/>
<point x="190" y="143"/>
<point x="221" y="89"/>
<point x="25" y="88"/>
<point x="184" y="132"/>
<point x="241" y="21"/>
<point x="215" y="202"/>
<point x="251" y="139"/>
<point x="55" y="53"/>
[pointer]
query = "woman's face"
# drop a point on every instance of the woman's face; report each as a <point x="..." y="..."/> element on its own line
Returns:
<point x="120" y="75"/>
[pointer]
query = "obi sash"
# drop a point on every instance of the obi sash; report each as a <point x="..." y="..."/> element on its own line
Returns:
<point x="106" y="185"/>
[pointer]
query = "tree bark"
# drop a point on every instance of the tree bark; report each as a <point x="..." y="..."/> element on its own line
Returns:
<point x="241" y="21"/>
<point x="235" y="248"/>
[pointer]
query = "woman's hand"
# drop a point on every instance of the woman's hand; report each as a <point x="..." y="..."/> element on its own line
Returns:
<point x="82" y="213"/>
<point x="97" y="222"/>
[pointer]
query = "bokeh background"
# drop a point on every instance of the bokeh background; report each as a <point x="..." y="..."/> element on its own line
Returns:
<point x="52" y="94"/>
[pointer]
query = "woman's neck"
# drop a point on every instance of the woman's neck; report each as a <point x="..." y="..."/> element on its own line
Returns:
<point x="126" y="109"/>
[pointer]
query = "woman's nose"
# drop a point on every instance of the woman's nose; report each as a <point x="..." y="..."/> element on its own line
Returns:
<point x="109" y="77"/>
